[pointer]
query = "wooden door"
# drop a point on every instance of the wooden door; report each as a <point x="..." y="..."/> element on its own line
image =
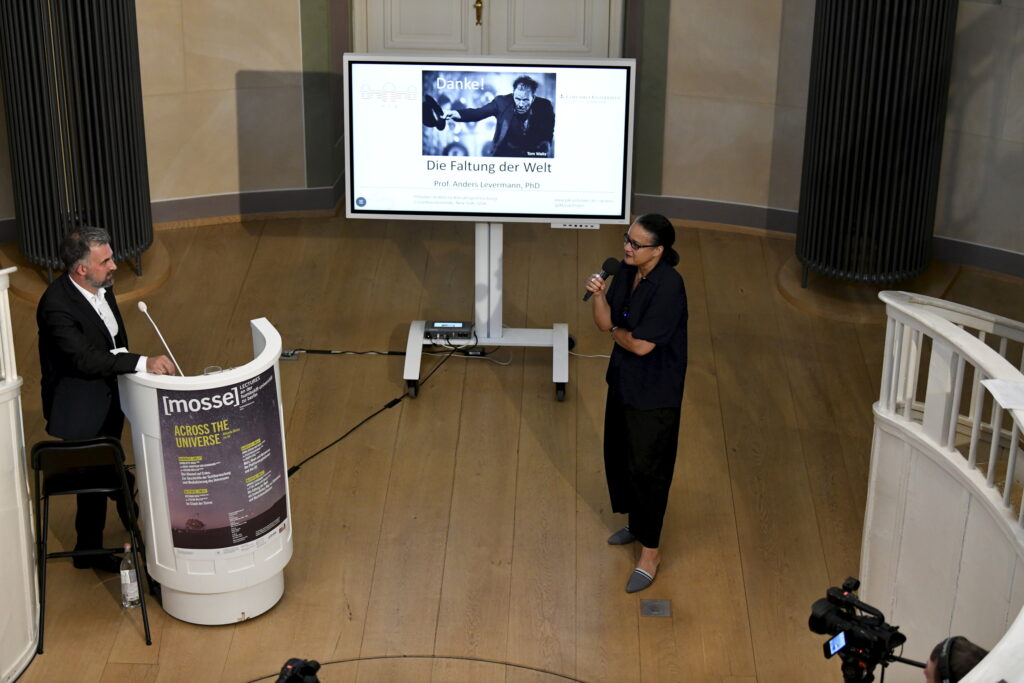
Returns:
<point x="526" y="28"/>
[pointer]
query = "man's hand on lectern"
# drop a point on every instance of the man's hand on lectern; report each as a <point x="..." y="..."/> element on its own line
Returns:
<point x="160" y="365"/>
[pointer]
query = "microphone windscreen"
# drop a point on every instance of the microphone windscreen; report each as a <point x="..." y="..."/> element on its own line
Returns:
<point x="142" y="306"/>
<point x="611" y="266"/>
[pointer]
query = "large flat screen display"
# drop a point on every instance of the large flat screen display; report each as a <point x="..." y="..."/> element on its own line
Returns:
<point x="490" y="139"/>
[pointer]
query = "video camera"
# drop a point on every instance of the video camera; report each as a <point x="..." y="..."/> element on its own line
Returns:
<point x="299" y="671"/>
<point x="862" y="639"/>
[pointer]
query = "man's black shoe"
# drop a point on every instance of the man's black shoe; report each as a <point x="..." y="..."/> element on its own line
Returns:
<point x="105" y="563"/>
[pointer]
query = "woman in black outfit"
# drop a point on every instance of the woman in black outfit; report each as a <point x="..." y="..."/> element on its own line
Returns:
<point x="644" y="308"/>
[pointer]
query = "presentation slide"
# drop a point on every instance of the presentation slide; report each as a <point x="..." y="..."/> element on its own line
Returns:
<point x="501" y="141"/>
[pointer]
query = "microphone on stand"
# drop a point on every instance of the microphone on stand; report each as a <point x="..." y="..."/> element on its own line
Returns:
<point x="145" y="309"/>
<point x="610" y="266"/>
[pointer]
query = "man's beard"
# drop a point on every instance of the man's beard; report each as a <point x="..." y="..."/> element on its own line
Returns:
<point x="109" y="281"/>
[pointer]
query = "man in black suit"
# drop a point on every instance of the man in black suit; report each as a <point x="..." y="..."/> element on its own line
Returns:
<point x="525" y="123"/>
<point x="82" y="349"/>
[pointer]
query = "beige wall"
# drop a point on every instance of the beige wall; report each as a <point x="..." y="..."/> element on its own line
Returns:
<point x="736" y="104"/>
<point x="981" y="192"/>
<point x="735" y="100"/>
<point x="222" y="90"/>
<point x="222" y="95"/>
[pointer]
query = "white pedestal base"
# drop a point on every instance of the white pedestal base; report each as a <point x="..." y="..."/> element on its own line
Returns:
<point x="211" y="609"/>
<point x="487" y="326"/>
<point x="556" y="338"/>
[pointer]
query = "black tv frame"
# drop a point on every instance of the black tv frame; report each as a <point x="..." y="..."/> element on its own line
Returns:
<point x="598" y="150"/>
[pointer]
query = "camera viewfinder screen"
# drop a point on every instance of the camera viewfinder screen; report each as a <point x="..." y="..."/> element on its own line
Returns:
<point x="836" y="644"/>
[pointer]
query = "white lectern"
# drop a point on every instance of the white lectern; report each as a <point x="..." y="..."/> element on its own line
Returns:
<point x="487" y="323"/>
<point x="213" y="484"/>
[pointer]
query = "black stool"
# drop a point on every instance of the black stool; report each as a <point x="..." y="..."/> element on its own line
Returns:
<point x="70" y="468"/>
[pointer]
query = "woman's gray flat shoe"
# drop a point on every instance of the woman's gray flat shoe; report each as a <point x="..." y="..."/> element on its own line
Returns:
<point x="638" y="581"/>
<point x="621" y="537"/>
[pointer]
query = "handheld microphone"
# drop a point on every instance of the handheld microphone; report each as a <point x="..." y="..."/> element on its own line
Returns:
<point x="145" y="309"/>
<point x="610" y="266"/>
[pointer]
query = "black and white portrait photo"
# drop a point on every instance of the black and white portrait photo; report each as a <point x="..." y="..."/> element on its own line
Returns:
<point x="488" y="114"/>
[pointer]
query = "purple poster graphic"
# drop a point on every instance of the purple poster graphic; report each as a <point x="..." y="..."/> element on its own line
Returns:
<point x="224" y="464"/>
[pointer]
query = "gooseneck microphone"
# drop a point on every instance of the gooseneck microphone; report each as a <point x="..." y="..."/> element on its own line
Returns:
<point x="145" y="309"/>
<point x="610" y="266"/>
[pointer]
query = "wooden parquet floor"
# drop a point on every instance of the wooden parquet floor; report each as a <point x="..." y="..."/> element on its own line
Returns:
<point x="460" y="536"/>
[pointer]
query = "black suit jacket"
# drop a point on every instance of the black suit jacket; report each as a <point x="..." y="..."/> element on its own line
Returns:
<point x="79" y="374"/>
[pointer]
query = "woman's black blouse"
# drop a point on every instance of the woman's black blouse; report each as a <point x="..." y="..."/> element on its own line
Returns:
<point x="656" y="312"/>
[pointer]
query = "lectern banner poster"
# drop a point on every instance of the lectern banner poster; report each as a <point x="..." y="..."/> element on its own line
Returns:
<point x="224" y="465"/>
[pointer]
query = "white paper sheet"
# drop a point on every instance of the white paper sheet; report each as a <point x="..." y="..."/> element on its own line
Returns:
<point x="1009" y="394"/>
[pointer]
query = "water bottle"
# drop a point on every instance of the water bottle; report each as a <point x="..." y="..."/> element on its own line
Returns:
<point x="129" y="580"/>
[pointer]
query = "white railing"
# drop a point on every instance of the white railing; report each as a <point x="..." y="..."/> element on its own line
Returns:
<point x="8" y="368"/>
<point x="18" y="587"/>
<point x="943" y="547"/>
<point x="968" y="346"/>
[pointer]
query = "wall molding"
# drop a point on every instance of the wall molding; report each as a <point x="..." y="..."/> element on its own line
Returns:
<point x="785" y="221"/>
<point x="256" y="204"/>
<point x="230" y="208"/>
<point x="318" y="201"/>
<point x="711" y="211"/>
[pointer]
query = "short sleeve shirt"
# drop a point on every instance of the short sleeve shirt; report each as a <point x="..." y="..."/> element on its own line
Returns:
<point x="654" y="311"/>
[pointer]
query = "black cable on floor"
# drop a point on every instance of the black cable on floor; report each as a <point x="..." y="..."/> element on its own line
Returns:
<point x="390" y="404"/>
<point x="331" y="352"/>
<point x="520" y="667"/>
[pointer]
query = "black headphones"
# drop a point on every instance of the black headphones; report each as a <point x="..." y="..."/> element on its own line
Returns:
<point x="945" y="675"/>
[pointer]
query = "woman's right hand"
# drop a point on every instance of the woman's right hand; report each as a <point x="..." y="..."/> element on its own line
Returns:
<point x="595" y="284"/>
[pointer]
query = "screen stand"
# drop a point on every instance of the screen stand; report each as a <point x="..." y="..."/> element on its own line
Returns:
<point x="487" y="319"/>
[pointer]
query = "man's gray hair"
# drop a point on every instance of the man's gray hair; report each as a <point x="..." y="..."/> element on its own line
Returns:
<point x="76" y="245"/>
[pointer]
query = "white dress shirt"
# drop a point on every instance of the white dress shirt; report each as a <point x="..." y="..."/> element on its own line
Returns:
<point x="98" y="301"/>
